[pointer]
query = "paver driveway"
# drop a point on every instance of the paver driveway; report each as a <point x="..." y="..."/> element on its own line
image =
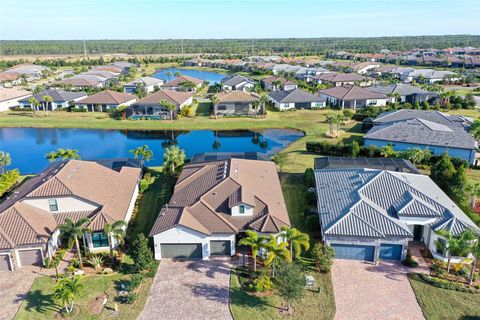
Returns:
<point x="13" y="289"/>
<point x="190" y="290"/>
<point x="365" y="291"/>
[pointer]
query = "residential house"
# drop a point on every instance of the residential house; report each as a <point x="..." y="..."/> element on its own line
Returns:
<point x="106" y="100"/>
<point x="390" y="164"/>
<point x="274" y="83"/>
<point x="296" y="99"/>
<point x="74" y="189"/>
<point x="237" y="103"/>
<point x="10" y="97"/>
<point x="9" y="79"/>
<point x="237" y="82"/>
<point x="60" y="99"/>
<point x="440" y="133"/>
<point x="341" y="79"/>
<point x="369" y="214"/>
<point x="176" y="84"/>
<point x="353" y="97"/>
<point x="365" y="67"/>
<point x="82" y="82"/>
<point x="149" y="84"/>
<point x="27" y="71"/>
<point x="150" y="107"/>
<point x="429" y="76"/>
<point x="402" y="92"/>
<point x="213" y="203"/>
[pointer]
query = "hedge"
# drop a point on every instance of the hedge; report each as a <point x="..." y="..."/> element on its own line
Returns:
<point x="8" y="180"/>
<point x="448" y="285"/>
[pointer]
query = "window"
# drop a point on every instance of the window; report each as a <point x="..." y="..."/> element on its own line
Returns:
<point x="53" y="204"/>
<point x="99" y="239"/>
<point x="241" y="209"/>
<point x="221" y="107"/>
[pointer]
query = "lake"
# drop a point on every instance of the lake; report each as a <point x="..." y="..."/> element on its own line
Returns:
<point x="28" y="146"/>
<point x="211" y="77"/>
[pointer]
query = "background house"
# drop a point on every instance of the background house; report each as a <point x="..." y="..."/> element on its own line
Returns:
<point x="60" y="99"/>
<point x="179" y="82"/>
<point x="236" y="103"/>
<point x="296" y="99"/>
<point x="149" y="84"/>
<point x="237" y="82"/>
<point x="278" y="83"/>
<point x="150" y="105"/>
<point x="352" y="97"/>
<point x="105" y="101"/>
<point x="10" y="97"/>
<point x="406" y="93"/>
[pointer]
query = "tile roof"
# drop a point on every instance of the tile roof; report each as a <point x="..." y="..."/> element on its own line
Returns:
<point x="295" y="96"/>
<point x="172" y="96"/>
<point x="183" y="78"/>
<point x="13" y="93"/>
<point x="110" y="191"/>
<point x="236" y="96"/>
<point x="351" y="93"/>
<point x="147" y="81"/>
<point x="205" y="192"/>
<point x="107" y="97"/>
<point x="340" y="77"/>
<point x="283" y="81"/>
<point x="368" y="203"/>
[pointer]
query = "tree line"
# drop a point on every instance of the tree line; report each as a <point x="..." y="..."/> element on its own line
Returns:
<point x="304" y="46"/>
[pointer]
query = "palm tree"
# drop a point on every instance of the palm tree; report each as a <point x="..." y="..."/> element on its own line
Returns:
<point x="73" y="230"/>
<point x="177" y="74"/>
<point x="142" y="152"/>
<point x="187" y="86"/>
<point x="455" y="245"/>
<point x="173" y="157"/>
<point x="475" y="251"/>
<point x="276" y="250"/>
<point x="5" y="160"/>
<point x="330" y="119"/>
<point x="216" y="144"/>
<point x="474" y="191"/>
<point x="48" y="100"/>
<point x="62" y="154"/>
<point x="262" y="102"/>
<point x="66" y="292"/>
<point x="115" y="231"/>
<point x="296" y="240"/>
<point x="254" y="241"/>
<point x="169" y="106"/>
<point x="34" y="104"/>
<point x="169" y="75"/>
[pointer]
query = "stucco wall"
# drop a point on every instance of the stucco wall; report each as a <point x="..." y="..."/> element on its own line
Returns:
<point x="65" y="204"/>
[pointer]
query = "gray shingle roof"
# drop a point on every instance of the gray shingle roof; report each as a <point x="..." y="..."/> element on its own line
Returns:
<point x="401" y="88"/>
<point x="295" y="96"/>
<point x="453" y="121"/>
<point x="368" y="203"/>
<point x="57" y="95"/>
<point x="423" y="133"/>
<point x="235" y="80"/>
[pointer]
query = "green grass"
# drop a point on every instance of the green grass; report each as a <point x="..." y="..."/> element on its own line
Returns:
<point x="39" y="303"/>
<point x="439" y="304"/>
<point x="313" y="305"/>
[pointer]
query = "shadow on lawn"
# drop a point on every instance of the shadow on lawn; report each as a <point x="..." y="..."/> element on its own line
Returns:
<point x="38" y="301"/>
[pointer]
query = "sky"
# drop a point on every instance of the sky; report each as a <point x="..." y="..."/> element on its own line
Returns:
<point x="184" y="19"/>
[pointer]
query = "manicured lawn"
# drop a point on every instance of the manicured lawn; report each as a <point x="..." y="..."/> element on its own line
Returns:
<point x="438" y="304"/>
<point x="39" y="303"/>
<point x="313" y="305"/>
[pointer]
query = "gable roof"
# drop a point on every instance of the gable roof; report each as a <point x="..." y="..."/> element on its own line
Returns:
<point x="107" y="97"/>
<point x="367" y="203"/>
<point x="295" y="96"/>
<point x="455" y="122"/>
<point x="57" y="95"/>
<point x="340" y="77"/>
<point x="147" y="81"/>
<point x="404" y="89"/>
<point x="108" y="190"/>
<point x="206" y="191"/>
<point x="351" y="93"/>
<point x="13" y="93"/>
<point x="236" y="96"/>
<point x="182" y="78"/>
<point x="283" y="81"/>
<point x="235" y="80"/>
<point x="172" y="96"/>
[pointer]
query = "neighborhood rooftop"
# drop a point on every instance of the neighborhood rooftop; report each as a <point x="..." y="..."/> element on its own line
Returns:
<point x="349" y="92"/>
<point x="295" y="96"/>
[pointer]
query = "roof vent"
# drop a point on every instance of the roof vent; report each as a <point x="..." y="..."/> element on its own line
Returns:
<point x="214" y="193"/>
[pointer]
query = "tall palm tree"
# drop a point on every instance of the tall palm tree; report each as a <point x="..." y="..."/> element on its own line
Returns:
<point x="455" y="245"/>
<point x="173" y="157"/>
<point x="34" y="104"/>
<point x="66" y="292"/>
<point x="276" y="250"/>
<point x="115" y="232"/>
<point x="262" y="102"/>
<point x="169" y="106"/>
<point x="5" y="160"/>
<point x="296" y="240"/>
<point x="255" y="242"/>
<point x="330" y="119"/>
<point x="72" y="231"/>
<point x="48" y="100"/>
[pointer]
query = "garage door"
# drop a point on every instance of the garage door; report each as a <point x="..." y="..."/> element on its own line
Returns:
<point x="30" y="258"/>
<point x="183" y="250"/>
<point x="353" y="252"/>
<point x="4" y="263"/>
<point x="390" y="251"/>
<point x="220" y="248"/>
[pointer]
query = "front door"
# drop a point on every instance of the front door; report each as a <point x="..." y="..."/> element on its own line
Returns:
<point x="417" y="233"/>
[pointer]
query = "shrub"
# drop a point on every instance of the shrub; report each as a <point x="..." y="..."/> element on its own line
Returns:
<point x="186" y="111"/>
<point x="261" y="284"/>
<point x="323" y="255"/>
<point x="131" y="298"/>
<point x="290" y="282"/>
<point x="96" y="262"/>
<point x="135" y="281"/>
<point x="409" y="262"/>
<point x="309" y="178"/>
<point x="143" y="185"/>
<point x="445" y="284"/>
<point x="48" y="263"/>
<point x="141" y="253"/>
<point x="313" y="223"/>
<point x="75" y="263"/>
<point x="78" y="110"/>
<point x="310" y="198"/>
<point x="8" y="180"/>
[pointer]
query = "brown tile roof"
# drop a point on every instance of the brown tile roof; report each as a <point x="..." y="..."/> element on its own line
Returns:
<point x="341" y="77"/>
<point x="205" y="193"/>
<point x="172" y="96"/>
<point x="13" y="93"/>
<point x="351" y="93"/>
<point x="183" y="78"/>
<point x="110" y="68"/>
<point x="107" y="97"/>
<point x="9" y="76"/>
<point x="236" y="96"/>
<point x="111" y="191"/>
<point x="79" y="82"/>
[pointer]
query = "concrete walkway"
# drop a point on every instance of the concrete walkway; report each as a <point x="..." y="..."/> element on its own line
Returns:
<point x="366" y="291"/>
<point x="190" y="290"/>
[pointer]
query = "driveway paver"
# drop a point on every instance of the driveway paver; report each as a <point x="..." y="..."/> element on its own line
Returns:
<point x="193" y="290"/>
<point x="366" y="291"/>
<point x="13" y="288"/>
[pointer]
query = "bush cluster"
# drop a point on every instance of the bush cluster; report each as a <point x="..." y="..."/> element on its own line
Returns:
<point x="445" y="284"/>
<point x="8" y="180"/>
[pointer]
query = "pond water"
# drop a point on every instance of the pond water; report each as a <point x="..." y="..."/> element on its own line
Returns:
<point x="211" y="77"/>
<point x="28" y="146"/>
